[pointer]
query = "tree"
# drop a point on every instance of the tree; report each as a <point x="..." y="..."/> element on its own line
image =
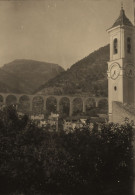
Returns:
<point x="34" y="161"/>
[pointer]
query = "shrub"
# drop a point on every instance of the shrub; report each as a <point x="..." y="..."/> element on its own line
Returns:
<point x="34" y="161"/>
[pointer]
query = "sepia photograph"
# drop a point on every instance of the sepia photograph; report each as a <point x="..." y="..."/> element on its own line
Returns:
<point x="67" y="97"/>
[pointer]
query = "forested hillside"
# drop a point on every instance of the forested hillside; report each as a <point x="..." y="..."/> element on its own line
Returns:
<point x="25" y="76"/>
<point x="88" y="75"/>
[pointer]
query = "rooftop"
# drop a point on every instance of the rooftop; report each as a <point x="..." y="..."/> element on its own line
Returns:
<point x="122" y="20"/>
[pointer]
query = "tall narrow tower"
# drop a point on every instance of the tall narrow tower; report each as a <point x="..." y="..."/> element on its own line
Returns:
<point x="121" y="74"/>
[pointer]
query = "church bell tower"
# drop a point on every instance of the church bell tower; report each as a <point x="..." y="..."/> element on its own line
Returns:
<point x="121" y="66"/>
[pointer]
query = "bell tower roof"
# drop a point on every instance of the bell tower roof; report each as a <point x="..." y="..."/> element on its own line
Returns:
<point x="122" y="20"/>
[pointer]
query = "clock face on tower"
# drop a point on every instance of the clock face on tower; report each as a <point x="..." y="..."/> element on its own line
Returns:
<point x="130" y="71"/>
<point x="115" y="71"/>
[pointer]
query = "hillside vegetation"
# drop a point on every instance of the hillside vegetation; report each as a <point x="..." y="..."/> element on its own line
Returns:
<point x="88" y="75"/>
<point x="25" y="76"/>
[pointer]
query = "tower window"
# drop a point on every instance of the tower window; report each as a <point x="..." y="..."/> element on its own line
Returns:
<point x="115" y="88"/>
<point x="129" y="45"/>
<point x="115" y="46"/>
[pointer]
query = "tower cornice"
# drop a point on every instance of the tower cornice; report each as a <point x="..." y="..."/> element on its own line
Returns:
<point x="120" y="27"/>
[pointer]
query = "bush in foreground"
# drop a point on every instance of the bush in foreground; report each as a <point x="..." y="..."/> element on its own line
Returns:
<point x="34" y="161"/>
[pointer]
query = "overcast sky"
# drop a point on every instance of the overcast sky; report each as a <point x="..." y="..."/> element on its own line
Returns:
<point x="58" y="31"/>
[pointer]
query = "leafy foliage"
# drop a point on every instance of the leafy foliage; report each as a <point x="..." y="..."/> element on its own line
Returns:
<point x="34" y="161"/>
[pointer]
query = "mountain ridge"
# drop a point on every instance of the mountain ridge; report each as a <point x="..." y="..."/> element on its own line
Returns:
<point x="24" y="76"/>
<point x="88" y="75"/>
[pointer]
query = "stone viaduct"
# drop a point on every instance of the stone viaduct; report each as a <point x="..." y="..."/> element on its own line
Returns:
<point x="17" y="97"/>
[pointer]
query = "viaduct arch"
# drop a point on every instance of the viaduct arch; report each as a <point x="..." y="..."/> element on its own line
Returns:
<point x="17" y="98"/>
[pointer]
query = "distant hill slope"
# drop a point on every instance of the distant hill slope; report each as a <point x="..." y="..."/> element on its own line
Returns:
<point x="88" y="75"/>
<point x="25" y="76"/>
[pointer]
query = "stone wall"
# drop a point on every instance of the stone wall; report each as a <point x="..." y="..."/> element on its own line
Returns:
<point x="122" y="111"/>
